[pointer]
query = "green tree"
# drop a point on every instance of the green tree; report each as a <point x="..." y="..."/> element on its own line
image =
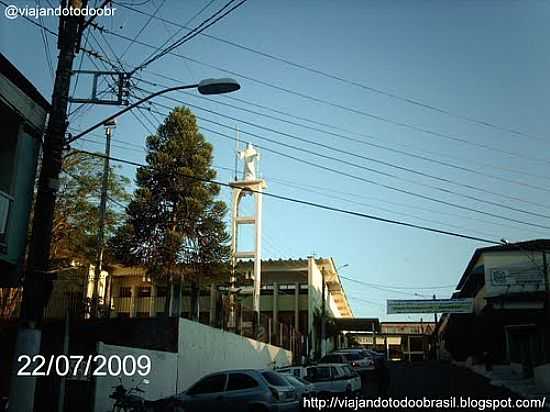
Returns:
<point x="174" y="223"/>
<point x="74" y="235"/>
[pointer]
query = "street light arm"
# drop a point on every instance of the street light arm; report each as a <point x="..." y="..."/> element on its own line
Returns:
<point x="126" y="109"/>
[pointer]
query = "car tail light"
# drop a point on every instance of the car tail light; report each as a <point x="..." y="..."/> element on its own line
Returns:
<point x="354" y="364"/>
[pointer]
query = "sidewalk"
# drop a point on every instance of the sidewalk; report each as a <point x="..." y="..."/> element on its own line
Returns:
<point x="506" y="376"/>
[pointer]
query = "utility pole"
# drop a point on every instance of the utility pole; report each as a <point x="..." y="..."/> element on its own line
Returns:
<point x="36" y="285"/>
<point x="323" y="313"/>
<point x="546" y="301"/>
<point x="436" y="336"/>
<point x="109" y="126"/>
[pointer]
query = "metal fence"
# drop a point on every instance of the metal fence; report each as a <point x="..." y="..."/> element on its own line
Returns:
<point x="233" y="317"/>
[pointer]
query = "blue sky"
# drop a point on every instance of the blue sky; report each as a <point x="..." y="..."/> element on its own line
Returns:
<point x="487" y="60"/>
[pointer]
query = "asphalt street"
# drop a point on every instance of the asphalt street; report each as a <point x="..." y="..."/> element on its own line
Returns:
<point x="433" y="381"/>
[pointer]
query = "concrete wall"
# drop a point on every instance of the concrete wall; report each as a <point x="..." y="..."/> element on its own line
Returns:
<point x="162" y="378"/>
<point x="203" y="350"/>
<point x="542" y="377"/>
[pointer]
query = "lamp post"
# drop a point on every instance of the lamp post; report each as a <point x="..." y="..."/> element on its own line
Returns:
<point x="207" y="86"/>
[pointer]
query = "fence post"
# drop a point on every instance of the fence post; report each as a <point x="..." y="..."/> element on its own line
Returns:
<point x="269" y="330"/>
<point x="280" y="334"/>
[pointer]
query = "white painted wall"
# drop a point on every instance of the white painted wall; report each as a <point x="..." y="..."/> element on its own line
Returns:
<point x="162" y="378"/>
<point x="203" y="350"/>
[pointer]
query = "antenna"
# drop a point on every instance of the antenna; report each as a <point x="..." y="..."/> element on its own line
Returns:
<point x="237" y="141"/>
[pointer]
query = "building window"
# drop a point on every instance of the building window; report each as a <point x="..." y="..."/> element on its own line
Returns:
<point x="144" y="292"/>
<point x="142" y="315"/>
<point x="8" y="146"/>
<point x="123" y="315"/>
<point x="287" y="289"/>
<point x="266" y="289"/>
<point x="125" y="292"/>
<point x="162" y="291"/>
<point x="304" y="287"/>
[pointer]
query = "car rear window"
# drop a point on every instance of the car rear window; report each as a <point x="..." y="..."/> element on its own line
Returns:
<point x="274" y="379"/>
<point x="318" y="373"/>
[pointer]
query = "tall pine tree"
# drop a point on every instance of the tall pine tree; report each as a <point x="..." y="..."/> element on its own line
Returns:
<point x="174" y="223"/>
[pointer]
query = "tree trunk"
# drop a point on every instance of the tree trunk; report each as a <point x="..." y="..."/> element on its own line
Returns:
<point x="168" y="299"/>
<point x="195" y="295"/>
<point x="176" y="306"/>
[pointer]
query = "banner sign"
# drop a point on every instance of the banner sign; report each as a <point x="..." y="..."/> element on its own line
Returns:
<point x="430" y="306"/>
<point x="525" y="277"/>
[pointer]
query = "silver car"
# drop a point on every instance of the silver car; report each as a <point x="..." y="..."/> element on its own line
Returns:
<point x="240" y="390"/>
<point x="335" y="378"/>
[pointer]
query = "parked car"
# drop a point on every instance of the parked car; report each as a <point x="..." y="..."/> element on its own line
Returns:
<point x="298" y="371"/>
<point x="359" y="362"/>
<point x="240" y="390"/>
<point x="303" y="388"/>
<point x="335" y="378"/>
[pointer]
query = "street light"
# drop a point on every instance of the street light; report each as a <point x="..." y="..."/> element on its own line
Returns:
<point x="206" y="86"/>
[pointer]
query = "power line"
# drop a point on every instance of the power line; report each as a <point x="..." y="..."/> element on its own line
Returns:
<point x="268" y="108"/>
<point x="347" y="81"/>
<point x="193" y="33"/>
<point x="357" y="155"/>
<point x="347" y="131"/>
<point x="151" y="17"/>
<point x="340" y="106"/>
<point x="324" y="192"/>
<point x="366" y="301"/>
<point x="399" y="287"/>
<point x="313" y="204"/>
<point x="319" y="166"/>
<point x="180" y="29"/>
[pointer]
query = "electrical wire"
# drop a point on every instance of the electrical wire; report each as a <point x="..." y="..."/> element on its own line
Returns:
<point x="408" y="192"/>
<point x="367" y="136"/>
<point x="265" y="107"/>
<point x="312" y="204"/>
<point x="347" y="81"/>
<point x="324" y="191"/>
<point x="151" y="17"/>
<point x="206" y="6"/>
<point x="329" y="103"/>
<point x="193" y="33"/>
<point x="357" y="155"/>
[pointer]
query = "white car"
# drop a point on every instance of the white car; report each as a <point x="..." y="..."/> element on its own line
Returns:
<point x="358" y="361"/>
<point x="333" y="378"/>
<point x="297" y="371"/>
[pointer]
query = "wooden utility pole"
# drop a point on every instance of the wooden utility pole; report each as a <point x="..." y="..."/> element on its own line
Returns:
<point x="37" y="285"/>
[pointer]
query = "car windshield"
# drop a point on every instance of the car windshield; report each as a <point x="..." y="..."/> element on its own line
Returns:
<point x="294" y="381"/>
<point x="274" y="379"/>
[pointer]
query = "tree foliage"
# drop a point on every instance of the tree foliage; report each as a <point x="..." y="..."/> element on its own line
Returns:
<point x="174" y="223"/>
<point x="75" y="226"/>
